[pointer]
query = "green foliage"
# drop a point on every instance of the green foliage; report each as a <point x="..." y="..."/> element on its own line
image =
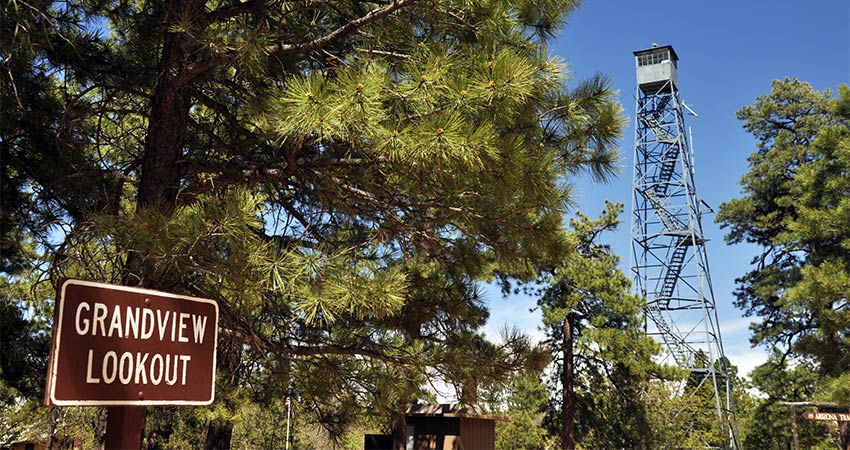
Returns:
<point x="795" y="207"/>
<point x="671" y="416"/>
<point x="337" y="176"/>
<point x="527" y="400"/>
<point x="24" y="346"/>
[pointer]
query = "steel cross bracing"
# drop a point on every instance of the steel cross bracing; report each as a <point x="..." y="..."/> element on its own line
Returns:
<point x="668" y="256"/>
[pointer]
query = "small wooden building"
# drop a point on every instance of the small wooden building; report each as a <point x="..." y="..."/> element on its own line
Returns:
<point x="42" y="444"/>
<point x="443" y="427"/>
<point x="25" y="437"/>
<point x="26" y="445"/>
<point x="33" y="437"/>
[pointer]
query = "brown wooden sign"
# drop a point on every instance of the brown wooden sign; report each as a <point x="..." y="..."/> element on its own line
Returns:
<point x="813" y="415"/>
<point x="117" y="345"/>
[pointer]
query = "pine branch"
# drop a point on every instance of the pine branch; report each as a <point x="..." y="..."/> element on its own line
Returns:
<point x="266" y="346"/>
<point x="363" y="195"/>
<point x="285" y="242"/>
<point x="220" y="174"/>
<point x="221" y="109"/>
<point x="308" y="226"/>
<point x="227" y="173"/>
<point x="230" y="11"/>
<point x="371" y="16"/>
<point x="379" y="204"/>
<point x="350" y="350"/>
<point x="201" y="67"/>
<point x="382" y="53"/>
<point x="457" y="15"/>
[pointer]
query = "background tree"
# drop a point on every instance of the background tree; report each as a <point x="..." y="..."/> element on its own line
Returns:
<point x="526" y="403"/>
<point x="795" y="206"/>
<point x="338" y="176"/>
<point x="604" y="359"/>
<point x="682" y="410"/>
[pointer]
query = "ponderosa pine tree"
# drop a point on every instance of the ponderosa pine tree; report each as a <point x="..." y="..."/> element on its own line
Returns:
<point x="603" y="358"/>
<point x="337" y="175"/>
<point x="795" y="206"/>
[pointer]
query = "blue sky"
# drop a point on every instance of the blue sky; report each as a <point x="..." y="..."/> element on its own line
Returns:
<point x="729" y="52"/>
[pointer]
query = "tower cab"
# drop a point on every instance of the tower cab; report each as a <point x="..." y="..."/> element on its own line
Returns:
<point x="657" y="69"/>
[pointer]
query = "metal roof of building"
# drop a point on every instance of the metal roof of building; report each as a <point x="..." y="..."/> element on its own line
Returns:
<point x="649" y="50"/>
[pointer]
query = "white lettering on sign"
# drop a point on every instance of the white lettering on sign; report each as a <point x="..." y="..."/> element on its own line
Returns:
<point x="100" y="311"/>
<point x="830" y="416"/>
<point x="183" y="317"/>
<point x="84" y="322"/>
<point x="139" y="323"/>
<point x="110" y="367"/>
<point x="141" y="373"/>
<point x="200" y="324"/>
<point x="147" y="324"/>
<point x="134" y="367"/>
<point x="90" y="379"/>
<point x="156" y="369"/>
<point x="132" y="321"/>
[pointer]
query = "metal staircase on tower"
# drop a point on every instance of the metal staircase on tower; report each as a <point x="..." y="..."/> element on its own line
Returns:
<point x="669" y="262"/>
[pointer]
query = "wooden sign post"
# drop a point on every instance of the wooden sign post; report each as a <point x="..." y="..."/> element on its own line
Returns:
<point x="124" y="426"/>
<point x="127" y="348"/>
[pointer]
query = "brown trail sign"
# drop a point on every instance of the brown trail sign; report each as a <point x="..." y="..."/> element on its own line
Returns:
<point x="815" y="415"/>
<point x="842" y="418"/>
<point x="124" y="346"/>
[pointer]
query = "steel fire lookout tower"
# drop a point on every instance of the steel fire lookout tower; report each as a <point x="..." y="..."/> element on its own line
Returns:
<point x="668" y="257"/>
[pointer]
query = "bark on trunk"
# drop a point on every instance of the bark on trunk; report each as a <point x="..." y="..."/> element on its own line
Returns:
<point x="219" y="432"/>
<point x="844" y="433"/>
<point x="159" y="180"/>
<point x="568" y="407"/>
<point x="169" y="116"/>
<point x="99" y="440"/>
<point x="399" y="432"/>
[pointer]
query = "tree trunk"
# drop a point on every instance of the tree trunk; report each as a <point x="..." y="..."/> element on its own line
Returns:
<point x="399" y="432"/>
<point x="219" y="432"/>
<point x="99" y="440"/>
<point x="568" y="407"/>
<point x="52" y="417"/>
<point x="844" y="434"/>
<point x="159" y="180"/>
<point x="169" y="115"/>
